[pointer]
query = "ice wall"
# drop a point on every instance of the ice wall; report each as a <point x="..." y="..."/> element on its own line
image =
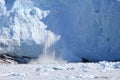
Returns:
<point x="89" y="28"/>
<point x="22" y="32"/>
<point x="71" y="29"/>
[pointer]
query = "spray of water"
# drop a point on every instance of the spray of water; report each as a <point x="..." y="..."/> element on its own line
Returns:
<point x="47" y="60"/>
<point x="49" y="56"/>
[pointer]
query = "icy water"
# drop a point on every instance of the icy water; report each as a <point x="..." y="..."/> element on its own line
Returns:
<point x="66" y="71"/>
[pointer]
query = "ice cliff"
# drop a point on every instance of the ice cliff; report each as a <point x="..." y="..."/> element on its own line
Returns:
<point x="70" y="29"/>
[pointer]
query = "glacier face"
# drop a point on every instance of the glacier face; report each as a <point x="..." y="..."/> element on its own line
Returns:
<point x="71" y="29"/>
<point x="22" y="31"/>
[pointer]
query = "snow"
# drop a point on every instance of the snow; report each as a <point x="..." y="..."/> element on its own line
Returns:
<point x="71" y="30"/>
<point x="65" y="71"/>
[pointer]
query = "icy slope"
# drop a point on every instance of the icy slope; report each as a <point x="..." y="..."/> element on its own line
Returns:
<point x="71" y="29"/>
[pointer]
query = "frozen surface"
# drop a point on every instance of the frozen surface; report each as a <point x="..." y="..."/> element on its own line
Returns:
<point x="70" y="71"/>
<point x="70" y="29"/>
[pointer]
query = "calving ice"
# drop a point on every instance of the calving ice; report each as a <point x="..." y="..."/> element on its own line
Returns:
<point x="70" y="29"/>
<point x="22" y="31"/>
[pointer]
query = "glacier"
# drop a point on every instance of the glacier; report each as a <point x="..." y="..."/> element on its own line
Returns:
<point x="70" y="29"/>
